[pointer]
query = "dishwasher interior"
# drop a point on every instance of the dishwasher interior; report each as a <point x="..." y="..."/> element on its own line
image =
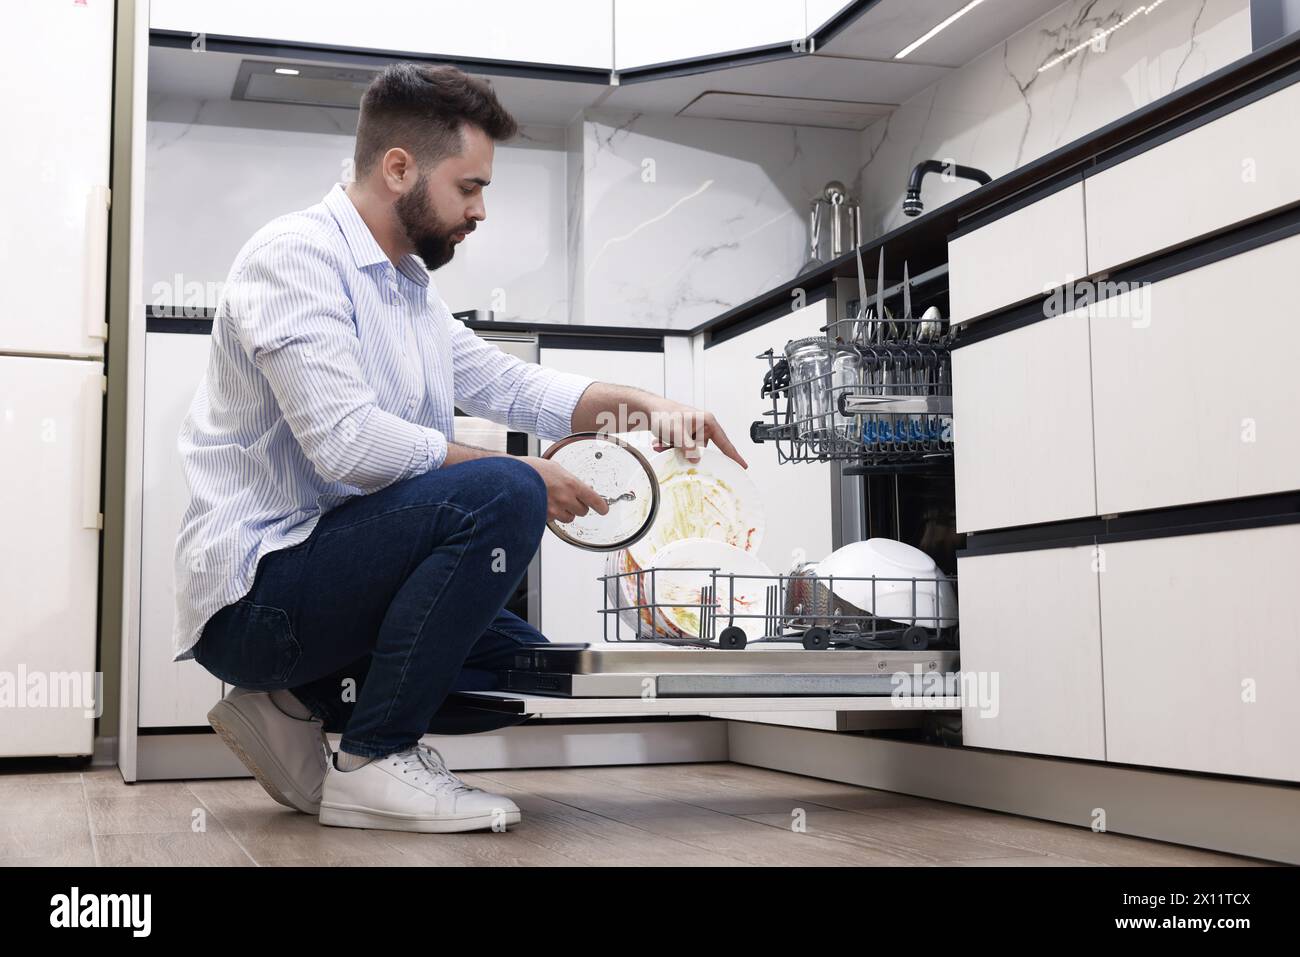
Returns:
<point x="871" y="395"/>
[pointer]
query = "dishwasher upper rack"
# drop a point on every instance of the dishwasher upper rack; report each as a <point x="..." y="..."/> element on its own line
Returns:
<point x="798" y="607"/>
<point x="896" y="410"/>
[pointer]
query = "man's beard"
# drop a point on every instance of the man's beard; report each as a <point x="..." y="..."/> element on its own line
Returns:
<point x="424" y="230"/>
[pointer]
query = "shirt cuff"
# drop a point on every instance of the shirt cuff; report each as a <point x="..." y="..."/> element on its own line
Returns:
<point x="555" y="420"/>
<point x="433" y="454"/>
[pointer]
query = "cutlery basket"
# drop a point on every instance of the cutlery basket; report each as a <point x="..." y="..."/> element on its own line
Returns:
<point x="855" y="395"/>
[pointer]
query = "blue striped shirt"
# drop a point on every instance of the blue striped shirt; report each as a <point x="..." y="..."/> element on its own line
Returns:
<point x="333" y="373"/>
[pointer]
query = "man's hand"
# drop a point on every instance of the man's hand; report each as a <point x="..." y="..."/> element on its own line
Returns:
<point x="567" y="497"/>
<point x="607" y="408"/>
<point x="680" y="426"/>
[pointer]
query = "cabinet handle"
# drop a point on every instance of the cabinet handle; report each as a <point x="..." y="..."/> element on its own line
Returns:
<point x="92" y="405"/>
<point x="96" y="262"/>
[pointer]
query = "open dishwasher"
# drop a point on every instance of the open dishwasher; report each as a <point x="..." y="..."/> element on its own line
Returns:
<point x="869" y="395"/>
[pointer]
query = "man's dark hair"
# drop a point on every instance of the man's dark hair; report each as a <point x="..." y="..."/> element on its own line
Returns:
<point x="421" y="109"/>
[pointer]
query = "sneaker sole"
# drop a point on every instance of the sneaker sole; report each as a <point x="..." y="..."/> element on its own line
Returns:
<point x="332" y="815"/>
<point x="242" y="738"/>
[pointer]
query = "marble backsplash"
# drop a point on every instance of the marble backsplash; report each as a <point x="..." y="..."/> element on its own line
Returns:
<point x="216" y="171"/>
<point x="682" y="218"/>
<point x="622" y="220"/>
<point x="1008" y="106"/>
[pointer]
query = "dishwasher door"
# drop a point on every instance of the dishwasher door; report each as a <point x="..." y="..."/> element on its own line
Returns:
<point x="649" y="678"/>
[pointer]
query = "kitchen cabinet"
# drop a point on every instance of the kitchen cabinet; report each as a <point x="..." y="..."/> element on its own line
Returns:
<point x="817" y="13"/>
<point x="651" y="32"/>
<point x="1235" y="168"/>
<point x="1031" y="648"/>
<point x="1018" y="256"/>
<point x="510" y="30"/>
<point x="172" y="693"/>
<point x="1186" y="410"/>
<point x="56" y="63"/>
<point x="1201" y="642"/>
<point x="1022" y="426"/>
<point x="50" y="442"/>
<point x="571" y="590"/>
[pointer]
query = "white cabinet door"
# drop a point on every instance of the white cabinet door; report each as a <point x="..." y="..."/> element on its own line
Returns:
<point x="578" y="33"/>
<point x="56" y="67"/>
<point x="664" y="31"/>
<point x="796" y="497"/>
<point x="172" y="693"/>
<point x="1031" y="644"/>
<point x="1022" y="255"/>
<point x="817" y="13"/>
<point x="1201" y="639"/>
<point x="51" y="421"/>
<point x="1022" y="426"/>
<point x="1228" y="171"/>
<point x="1186" y="412"/>
<point x="571" y="591"/>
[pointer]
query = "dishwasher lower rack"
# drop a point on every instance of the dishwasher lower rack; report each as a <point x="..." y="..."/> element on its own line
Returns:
<point x="710" y="608"/>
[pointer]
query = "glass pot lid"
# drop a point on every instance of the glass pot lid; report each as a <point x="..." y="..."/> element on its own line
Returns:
<point x="618" y="473"/>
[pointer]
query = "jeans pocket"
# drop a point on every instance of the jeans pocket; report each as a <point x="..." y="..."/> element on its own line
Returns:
<point x="250" y="646"/>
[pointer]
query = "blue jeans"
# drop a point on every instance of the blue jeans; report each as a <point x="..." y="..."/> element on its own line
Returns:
<point x="395" y="600"/>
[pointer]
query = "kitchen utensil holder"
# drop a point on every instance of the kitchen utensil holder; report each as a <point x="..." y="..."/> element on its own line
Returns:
<point x="797" y="608"/>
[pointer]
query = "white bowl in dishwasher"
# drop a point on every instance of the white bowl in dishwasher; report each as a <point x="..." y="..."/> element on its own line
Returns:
<point x="879" y="576"/>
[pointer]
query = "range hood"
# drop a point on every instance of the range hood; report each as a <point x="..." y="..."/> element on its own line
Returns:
<point x="303" y="84"/>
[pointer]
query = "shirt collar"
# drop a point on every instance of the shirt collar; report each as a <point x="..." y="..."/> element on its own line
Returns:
<point x="366" y="251"/>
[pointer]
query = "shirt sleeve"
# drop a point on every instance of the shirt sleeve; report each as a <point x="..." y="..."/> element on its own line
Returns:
<point x="291" y="315"/>
<point x="495" y="385"/>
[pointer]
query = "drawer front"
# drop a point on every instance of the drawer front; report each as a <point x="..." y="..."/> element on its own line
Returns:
<point x="1201" y="639"/>
<point x="1187" y="408"/>
<point x="1022" y="426"/>
<point x="1030" y="620"/>
<point x="1235" y="168"/>
<point x="1019" y="256"/>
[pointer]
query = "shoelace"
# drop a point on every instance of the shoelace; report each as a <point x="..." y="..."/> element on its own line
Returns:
<point x="436" y="763"/>
<point x="426" y="761"/>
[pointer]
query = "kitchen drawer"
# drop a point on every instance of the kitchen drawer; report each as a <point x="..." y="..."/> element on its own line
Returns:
<point x="1188" y="622"/>
<point x="1019" y="256"/>
<point x="1030" y="622"/>
<point x="1195" y="394"/>
<point x="1233" y="169"/>
<point x="1022" y="426"/>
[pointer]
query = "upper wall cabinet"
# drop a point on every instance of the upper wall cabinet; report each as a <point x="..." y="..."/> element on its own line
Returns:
<point x="651" y="32"/>
<point x="1233" y="169"/>
<point x="514" y="30"/>
<point x="1018" y="256"/>
<point x="817" y="13"/>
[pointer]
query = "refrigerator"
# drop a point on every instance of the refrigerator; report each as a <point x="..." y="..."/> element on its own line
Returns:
<point x="56" y="67"/>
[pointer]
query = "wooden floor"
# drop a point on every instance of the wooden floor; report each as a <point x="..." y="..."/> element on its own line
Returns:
<point x="711" y="814"/>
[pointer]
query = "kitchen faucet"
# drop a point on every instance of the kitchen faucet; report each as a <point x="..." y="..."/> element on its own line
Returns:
<point x="912" y="202"/>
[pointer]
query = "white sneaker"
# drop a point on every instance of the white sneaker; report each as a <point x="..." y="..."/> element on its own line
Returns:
<point x="287" y="755"/>
<point x="411" y="790"/>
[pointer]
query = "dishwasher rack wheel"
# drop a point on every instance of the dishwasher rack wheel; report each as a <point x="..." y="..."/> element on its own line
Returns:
<point x="732" y="637"/>
<point x="816" y="639"/>
<point x="915" y="638"/>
